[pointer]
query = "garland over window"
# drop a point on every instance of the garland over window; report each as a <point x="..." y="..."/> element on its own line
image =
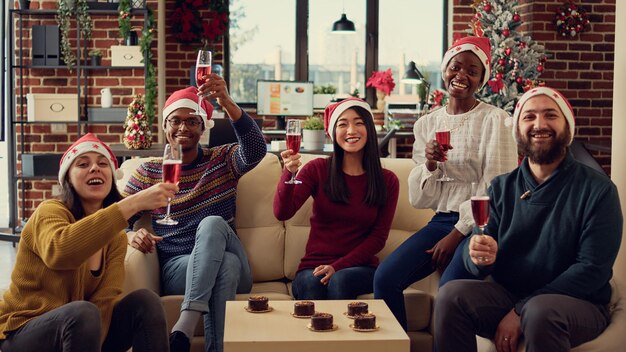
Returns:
<point x="571" y="20"/>
<point x="188" y="26"/>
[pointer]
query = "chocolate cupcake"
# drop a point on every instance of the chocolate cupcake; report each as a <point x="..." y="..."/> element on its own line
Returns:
<point x="365" y="321"/>
<point x="322" y="321"/>
<point x="304" y="308"/>
<point x="258" y="303"/>
<point x="356" y="308"/>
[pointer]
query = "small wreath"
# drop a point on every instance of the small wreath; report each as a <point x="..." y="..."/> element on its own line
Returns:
<point x="571" y="19"/>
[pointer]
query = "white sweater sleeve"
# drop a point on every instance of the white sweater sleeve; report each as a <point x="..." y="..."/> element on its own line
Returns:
<point x="423" y="190"/>
<point x="498" y="151"/>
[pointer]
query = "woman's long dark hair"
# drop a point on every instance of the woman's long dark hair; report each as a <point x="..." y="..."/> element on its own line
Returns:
<point x="336" y="188"/>
<point x="70" y="198"/>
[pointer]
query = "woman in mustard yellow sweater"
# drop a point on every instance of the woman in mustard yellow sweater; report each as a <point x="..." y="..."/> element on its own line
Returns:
<point x="66" y="287"/>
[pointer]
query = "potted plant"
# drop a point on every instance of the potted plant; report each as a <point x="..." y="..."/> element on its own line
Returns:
<point x="384" y="84"/>
<point x="96" y="57"/>
<point x="66" y="10"/>
<point x="323" y="95"/>
<point x="313" y="135"/>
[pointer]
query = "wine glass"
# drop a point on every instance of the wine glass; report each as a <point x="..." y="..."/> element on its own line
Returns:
<point x="480" y="208"/>
<point x="294" y="137"/>
<point x="203" y="68"/>
<point x="172" y="163"/>
<point x="443" y="138"/>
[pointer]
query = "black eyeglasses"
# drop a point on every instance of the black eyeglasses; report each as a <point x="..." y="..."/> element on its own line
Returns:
<point x="190" y="123"/>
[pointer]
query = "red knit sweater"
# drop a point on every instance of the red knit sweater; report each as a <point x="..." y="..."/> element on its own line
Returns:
<point x="342" y="235"/>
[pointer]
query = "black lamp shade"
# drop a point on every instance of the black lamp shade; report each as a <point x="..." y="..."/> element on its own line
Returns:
<point x="343" y="25"/>
<point x="413" y="75"/>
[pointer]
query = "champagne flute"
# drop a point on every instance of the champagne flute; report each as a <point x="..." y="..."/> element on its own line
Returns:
<point x="203" y="68"/>
<point x="443" y="138"/>
<point x="172" y="163"/>
<point x="294" y="137"/>
<point x="480" y="208"/>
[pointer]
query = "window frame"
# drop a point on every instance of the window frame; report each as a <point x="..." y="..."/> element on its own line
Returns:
<point x="302" y="44"/>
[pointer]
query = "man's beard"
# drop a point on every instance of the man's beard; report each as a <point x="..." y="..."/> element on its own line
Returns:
<point x="542" y="156"/>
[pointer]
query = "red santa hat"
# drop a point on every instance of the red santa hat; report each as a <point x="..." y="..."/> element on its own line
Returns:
<point x="87" y="143"/>
<point x="333" y="111"/>
<point x="188" y="98"/>
<point x="480" y="46"/>
<point x="553" y="94"/>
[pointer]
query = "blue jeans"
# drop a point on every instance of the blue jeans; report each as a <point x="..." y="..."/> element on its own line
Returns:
<point x="346" y="283"/>
<point x="410" y="263"/>
<point x="212" y="274"/>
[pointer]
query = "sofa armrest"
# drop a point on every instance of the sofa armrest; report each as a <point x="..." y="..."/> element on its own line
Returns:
<point x="142" y="271"/>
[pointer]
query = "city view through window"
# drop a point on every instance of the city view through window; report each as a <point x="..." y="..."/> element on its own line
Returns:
<point x="262" y="43"/>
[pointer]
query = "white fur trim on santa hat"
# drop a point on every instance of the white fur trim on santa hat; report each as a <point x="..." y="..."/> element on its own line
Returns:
<point x="85" y="147"/>
<point x="553" y="94"/>
<point x="343" y="106"/>
<point x="455" y="50"/>
<point x="186" y="103"/>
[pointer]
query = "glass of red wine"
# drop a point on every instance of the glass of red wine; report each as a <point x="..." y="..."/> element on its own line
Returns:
<point x="480" y="208"/>
<point x="443" y="138"/>
<point x="172" y="163"/>
<point x="203" y="68"/>
<point x="294" y="136"/>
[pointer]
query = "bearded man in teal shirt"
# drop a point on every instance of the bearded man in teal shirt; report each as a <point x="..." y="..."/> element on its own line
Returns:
<point x="554" y="231"/>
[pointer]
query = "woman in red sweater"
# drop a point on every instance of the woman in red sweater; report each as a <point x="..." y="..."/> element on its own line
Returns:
<point x="66" y="287"/>
<point x="354" y="200"/>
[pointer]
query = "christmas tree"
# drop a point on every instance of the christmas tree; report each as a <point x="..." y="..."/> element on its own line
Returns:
<point x="137" y="132"/>
<point x="516" y="60"/>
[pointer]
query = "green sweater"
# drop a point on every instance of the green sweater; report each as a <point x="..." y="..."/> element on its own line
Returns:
<point x="561" y="239"/>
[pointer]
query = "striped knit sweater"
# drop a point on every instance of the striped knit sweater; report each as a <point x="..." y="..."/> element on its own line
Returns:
<point x="51" y="265"/>
<point x="208" y="187"/>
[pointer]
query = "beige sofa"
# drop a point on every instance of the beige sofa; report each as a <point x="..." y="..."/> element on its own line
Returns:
<point x="274" y="249"/>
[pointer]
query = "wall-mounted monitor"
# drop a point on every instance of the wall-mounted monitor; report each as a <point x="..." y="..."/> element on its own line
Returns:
<point x="284" y="98"/>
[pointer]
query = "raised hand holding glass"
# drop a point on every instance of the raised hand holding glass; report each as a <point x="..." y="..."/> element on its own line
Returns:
<point x="203" y="68"/>
<point x="443" y="138"/>
<point x="480" y="208"/>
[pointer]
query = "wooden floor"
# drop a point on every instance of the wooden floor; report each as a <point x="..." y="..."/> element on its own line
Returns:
<point x="7" y="260"/>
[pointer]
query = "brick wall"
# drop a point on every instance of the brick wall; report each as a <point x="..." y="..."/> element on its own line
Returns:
<point x="124" y="84"/>
<point x="580" y="67"/>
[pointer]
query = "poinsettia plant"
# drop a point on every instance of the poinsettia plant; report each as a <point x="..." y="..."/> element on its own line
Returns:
<point x="190" y="26"/>
<point x="382" y="80"/>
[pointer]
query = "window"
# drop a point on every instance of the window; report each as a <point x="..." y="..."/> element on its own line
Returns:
<point x="292" y="40"/>
<point x="337" y="59"/>
<point x="262" y="44"/>
<point x="411" y="31"/>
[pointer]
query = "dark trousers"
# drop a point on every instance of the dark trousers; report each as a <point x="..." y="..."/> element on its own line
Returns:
<point x="549" y="322"/>
<point x="410" y="263"/>
<point x="138" y="321"/>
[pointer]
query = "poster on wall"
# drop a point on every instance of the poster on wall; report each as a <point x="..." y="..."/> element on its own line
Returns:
<point x="284" y="98"/>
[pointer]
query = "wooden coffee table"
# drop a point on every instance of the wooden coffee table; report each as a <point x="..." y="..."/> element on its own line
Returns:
<point x="279" y="331"/>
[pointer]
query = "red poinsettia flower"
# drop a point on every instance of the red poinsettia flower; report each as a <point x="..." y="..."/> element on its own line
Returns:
<point x="382" y="80"/>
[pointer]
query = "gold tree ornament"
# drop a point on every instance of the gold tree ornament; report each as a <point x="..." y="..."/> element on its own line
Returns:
<point x="137" y="127"/>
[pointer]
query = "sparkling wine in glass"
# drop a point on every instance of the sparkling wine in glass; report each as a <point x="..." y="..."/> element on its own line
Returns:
<point x="172" y="163"/>
<point x="294" y="136"/>
<point x="203" y="68"/>
<point x="443" y="138"/>
<point x="480" y="208"/>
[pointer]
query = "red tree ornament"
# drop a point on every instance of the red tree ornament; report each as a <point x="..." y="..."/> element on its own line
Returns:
<point x="487" y="7"/>
<point x="506" y="32"/>
<point x="517" y="18"/>
<point x="501" y="62"/>
<point x="507" y="51"/>
<point x="540" y="68"/>
<point x="519" y="80"/>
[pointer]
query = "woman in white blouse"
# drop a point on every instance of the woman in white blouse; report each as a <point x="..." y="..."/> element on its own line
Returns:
<point x="481" y="147"/>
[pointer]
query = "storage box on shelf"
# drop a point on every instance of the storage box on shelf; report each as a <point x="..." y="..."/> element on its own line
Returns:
<point x="52" y="107"/>
<point x="126" y="55"/>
